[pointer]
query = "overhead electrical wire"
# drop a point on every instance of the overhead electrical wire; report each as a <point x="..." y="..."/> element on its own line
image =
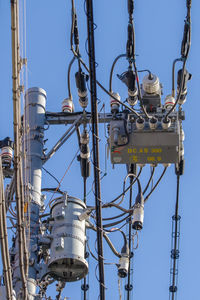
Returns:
<point x="112" y="69"/>
<point x="77" y="55"/>
<point x="127" y="189"/>
<point x="156" y="184"/>
<point x="185" y="49"/>
<point x="95" y="142"/>
<point x="19" y="186"/>
<point x="150" y="180"/>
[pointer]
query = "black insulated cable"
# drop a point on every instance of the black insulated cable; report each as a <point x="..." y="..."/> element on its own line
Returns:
<point x="76" y="34"/>
<point x="185" y="41"/>
<point x="185" y="48"/>
<point x="189" y="4"/>
<point x="150" y="179"/>
<point x="130" y="7"/>
<point x="104" y="89"/>
<point x="156" y="184"/>
<point x="127" y="189"/>
<point x="95" y="140"/>
<point x="130" y="46"/>
<point x="68" y="77"/>
<point x="112" y="69"/>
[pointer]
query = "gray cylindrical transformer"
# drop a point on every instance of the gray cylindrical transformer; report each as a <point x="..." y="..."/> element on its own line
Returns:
<point x="67" y="248"/>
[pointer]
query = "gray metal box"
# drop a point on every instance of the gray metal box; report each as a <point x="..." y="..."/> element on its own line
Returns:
<point x="144" y="146"/>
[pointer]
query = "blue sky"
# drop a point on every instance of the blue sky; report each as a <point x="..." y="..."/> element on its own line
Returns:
<point x="159" y="30"/>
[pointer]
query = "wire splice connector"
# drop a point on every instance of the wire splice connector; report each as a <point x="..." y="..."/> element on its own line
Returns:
<point x="186" y="76"/>
<point x="138" y="213"/>
<point x="85" y="154"/>
<point x="81" y="79"/>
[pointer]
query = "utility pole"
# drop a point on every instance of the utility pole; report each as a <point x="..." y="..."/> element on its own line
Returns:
<point x="35" y="102"/>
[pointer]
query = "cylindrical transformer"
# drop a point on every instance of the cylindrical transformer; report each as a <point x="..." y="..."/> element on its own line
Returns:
<point x="67" y="105"/>
<point x="67" y="251"/>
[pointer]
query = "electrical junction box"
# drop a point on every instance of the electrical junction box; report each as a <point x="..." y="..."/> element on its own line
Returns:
<point x="144" y="146"/>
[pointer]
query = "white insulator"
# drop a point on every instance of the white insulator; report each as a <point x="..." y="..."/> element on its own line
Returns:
<point x="114" y="104"/>
<point x="169" y="101"/>
<point x="182" y="151"/>
<point x="83" y="101"/>
<point x="166" y="123"/>
<point x="141" y="165"/>
<point x="132" y="99"/>
<point x="182" y="134"/>
<point x="166" y="165"/>
<point x="6" y="155"/>
<point x="82" y="94"/>
<point x="151" y="85"/>
<point x="153" y="123"/>
<point x="67" y="105"/>
<point x="140" y="122"/>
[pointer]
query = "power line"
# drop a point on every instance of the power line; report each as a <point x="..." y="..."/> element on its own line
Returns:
<point x="95" y="140"/>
